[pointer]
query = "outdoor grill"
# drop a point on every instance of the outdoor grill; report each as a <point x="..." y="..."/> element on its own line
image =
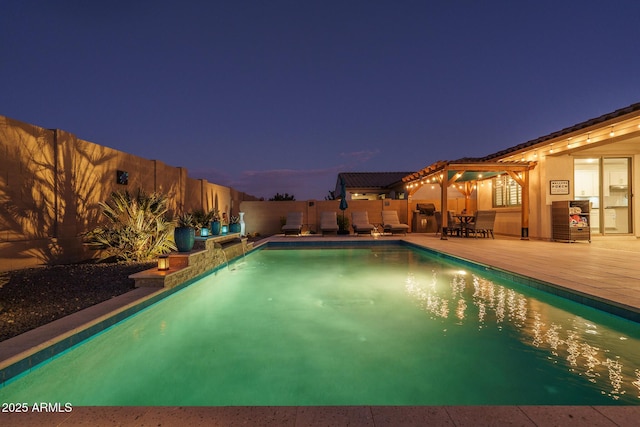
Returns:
<point x="423" y="218"/>
<point x="426" y="208"/>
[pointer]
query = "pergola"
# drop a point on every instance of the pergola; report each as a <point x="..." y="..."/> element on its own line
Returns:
<point x="468" y="173"/>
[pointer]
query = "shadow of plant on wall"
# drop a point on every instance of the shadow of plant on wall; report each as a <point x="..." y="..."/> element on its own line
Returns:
<point x="48" y="192"/>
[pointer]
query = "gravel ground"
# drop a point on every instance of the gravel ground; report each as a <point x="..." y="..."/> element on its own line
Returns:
<point x="35" y="296"/>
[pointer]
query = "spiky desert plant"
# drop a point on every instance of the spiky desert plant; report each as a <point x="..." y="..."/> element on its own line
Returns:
<point x="203" y="219"/>
<point x="136" y="228"/>
<point x="186" y="220"/>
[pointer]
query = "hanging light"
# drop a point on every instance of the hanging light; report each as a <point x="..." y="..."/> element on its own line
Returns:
<point x="589" y="137"/>
<point x="611" y="133"/>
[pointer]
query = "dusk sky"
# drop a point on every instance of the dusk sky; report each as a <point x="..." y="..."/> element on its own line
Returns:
<point x="281" y="96"/>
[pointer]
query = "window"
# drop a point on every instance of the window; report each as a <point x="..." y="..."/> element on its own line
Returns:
<point x="506" y="192"/>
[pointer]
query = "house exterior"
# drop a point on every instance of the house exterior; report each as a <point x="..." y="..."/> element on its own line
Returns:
<point x="596" y="161"/>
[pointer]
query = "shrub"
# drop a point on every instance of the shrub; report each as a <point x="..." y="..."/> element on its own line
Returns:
<point x="136" y="228"/>
<point x="203" y="219"/>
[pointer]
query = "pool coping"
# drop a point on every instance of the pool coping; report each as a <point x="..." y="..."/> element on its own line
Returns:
<point x="15" y="363"/>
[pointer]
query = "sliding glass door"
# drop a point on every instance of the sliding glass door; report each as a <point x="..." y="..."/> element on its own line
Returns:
<point x="604" y="181"/>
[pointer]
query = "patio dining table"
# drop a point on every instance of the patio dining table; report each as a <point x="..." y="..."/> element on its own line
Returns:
<point x="465" y="220"/>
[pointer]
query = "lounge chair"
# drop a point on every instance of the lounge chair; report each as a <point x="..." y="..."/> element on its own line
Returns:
<point x="328" y="222"/>
<point x="294" y="223"/>
<point x="360" y="223"/>
<point x="483" y="224"/>
<point x="391" y="223"/>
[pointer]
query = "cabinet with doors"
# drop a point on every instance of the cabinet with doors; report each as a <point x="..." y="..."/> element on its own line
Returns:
<point x="570" y="220"/>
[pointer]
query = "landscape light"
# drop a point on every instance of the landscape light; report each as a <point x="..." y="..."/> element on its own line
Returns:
<point x="163" y="263"/>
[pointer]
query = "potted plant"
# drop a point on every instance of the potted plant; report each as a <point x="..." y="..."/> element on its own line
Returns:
<point x="215" y="222"/>
<point x="202" y="221"/>
<point x="184" y="233"/>
<point x="234" y="224"/>
<point x="343" y="224"/>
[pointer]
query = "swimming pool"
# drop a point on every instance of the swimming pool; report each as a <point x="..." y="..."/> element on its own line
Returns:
<point x="385" y="325"/>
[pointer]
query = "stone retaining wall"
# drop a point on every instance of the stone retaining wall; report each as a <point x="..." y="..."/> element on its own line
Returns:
<point x="207" y="254"/>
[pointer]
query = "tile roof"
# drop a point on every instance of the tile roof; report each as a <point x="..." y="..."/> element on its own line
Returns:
<point x="591" y="122"/>
<point x="371" y="179"/>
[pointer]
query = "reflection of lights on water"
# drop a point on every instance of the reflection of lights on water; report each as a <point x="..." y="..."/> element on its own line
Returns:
<point x="553" y="337"/>
<point x="537" y="330"/>
<point x="591" y="361"/>
<point x="615" y="376"/>
<point x="636" y="383"/>
<point x="573" y="348"/>
<point x="462" y="306"/>
<point x="500" y="306"/>
<point x="482" y="311"/>
<point x="508" y="308"/>
<point x="457" y="287"/>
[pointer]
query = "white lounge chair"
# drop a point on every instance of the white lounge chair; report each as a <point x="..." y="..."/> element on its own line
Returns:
<point x="328" y="222"/>
<point x="391" y="223"/>
<point x="294" y="223"/>
<point x="360" y="223"/>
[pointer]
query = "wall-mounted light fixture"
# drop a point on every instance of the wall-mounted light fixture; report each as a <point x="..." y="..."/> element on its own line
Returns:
<point x="122" y="177"/>
<point x="163" y="263"/>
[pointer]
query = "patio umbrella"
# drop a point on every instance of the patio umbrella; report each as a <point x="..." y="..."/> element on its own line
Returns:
<point x="343" y="197"/>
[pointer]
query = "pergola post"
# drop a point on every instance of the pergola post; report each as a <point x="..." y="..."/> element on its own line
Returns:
<point x="523" y="181"/>
<point x="444" y="184"/>
<point x="468" y="189"/>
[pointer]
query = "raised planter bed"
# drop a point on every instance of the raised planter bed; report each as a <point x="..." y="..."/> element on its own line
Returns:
<point x="208" y="253"/>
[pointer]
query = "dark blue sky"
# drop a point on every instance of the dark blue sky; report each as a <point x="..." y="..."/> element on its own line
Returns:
<point x="280" y="96"/>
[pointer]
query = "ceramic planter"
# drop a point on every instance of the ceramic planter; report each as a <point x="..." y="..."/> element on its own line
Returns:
<point x="215" y="228"/>
<point x="185" y="238"/>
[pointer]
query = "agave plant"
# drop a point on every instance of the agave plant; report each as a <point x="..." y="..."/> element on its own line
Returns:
<point x="136" y="228"/>
<point x="186" y="220"/>
<point x="203" y="219"/>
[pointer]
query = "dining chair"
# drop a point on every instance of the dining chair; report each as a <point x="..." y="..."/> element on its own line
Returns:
<point x="453" y="225"/>
<point x="483" y="223"/>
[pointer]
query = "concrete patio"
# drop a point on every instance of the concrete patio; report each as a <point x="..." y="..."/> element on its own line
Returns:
<point x="606" y="270"/>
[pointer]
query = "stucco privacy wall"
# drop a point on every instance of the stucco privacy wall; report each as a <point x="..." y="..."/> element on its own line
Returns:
<point x="51" y="183"/>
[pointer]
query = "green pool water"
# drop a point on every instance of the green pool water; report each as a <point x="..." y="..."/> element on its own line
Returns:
<point x="377" y="326"/>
